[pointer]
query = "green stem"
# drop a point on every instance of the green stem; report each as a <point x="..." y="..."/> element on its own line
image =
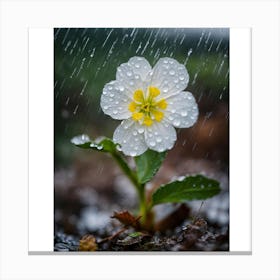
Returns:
<point x="143" y="204"/>
<point x="139" y="187"/>
<point x="125" y="168"/>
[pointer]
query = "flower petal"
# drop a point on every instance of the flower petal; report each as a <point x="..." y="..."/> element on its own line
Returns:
<point x="133" y="74"/>
<point x="161" y="136"/>
<point x="182" y="110"/>
<point x="114" y="101"/>
<point x="169" y="76"/>
<point x="140" y="66"/>
<point x="130" y="135"/>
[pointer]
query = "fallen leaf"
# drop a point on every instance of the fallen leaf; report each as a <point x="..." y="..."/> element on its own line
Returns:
<point x="127" y="219"/>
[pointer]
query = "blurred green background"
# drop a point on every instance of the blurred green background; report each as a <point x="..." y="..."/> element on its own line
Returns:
<point x="86" y="59"/>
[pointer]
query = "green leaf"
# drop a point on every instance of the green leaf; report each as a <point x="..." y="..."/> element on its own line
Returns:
<point x="190" y="188"/>
<point x="103" y="145"/>
<point x="148" y="164"/>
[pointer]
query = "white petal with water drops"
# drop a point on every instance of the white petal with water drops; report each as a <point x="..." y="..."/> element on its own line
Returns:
<point x="130" y="79"/>
<point x="161" y="136"/>
<point x="182" y="110"/>
<point x="114" y="102"/>
<point x="169" y="76"/>
<point x="140" y="66"/>
<point x="127" y="135"/>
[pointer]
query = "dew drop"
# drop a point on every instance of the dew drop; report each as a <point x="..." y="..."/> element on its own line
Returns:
<point x="134" y="132"/>
<point x="121" y="88"/>
<point x="115" y="112"/>
<point x="158" y="139"/>
<point x="172" y="72"/>
<point x="176" y="123"/>
<point x="184" y="113"/>
<point x="140" y="130"/>
<point x="105" y="107"/>
<point x="129" y="74"/>
<point x="181" y="78"/>
<point x="152" y="144"/>
<point x="181" y="178"/>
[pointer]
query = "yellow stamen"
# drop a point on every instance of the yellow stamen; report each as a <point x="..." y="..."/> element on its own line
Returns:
<point x="153" y="92"/>
<point x="138" y="95"/>
<point x="145" y="108"/>
<point x="162" y="104"/>
<point x="147" y="121"/>
<point x="132" y="106"/>
<point x="158" y="115"/>
<point x="137" y="116"/>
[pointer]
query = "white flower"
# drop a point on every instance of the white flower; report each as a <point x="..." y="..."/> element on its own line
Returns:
<point x="151" y="102"/>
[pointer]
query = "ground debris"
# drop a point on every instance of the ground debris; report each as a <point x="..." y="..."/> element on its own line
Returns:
<point x="88" y="243"/>
<point x="127" y="219"/>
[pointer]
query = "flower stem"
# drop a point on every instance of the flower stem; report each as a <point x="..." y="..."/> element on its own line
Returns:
<point x="140" y="188"/>
<point x="125" y="168"/>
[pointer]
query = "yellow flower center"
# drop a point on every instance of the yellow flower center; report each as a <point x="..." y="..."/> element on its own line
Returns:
<point x="147" y="109"/>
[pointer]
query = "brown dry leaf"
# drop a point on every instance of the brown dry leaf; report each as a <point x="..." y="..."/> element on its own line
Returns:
<point x="127" y="219"/>
<point x="88" y="243"/>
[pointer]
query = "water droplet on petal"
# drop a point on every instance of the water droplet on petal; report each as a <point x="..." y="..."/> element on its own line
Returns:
<point x="129" y="74"/>
<point x="176" y="122"/>
<point x="105" y="107"/>
<point x="121" y="88"/>
<point x="152" y="144"/>
<point x="133" y="154"/>
<point x="172" y="72"/>
<point x="134" y="132"/>
<point x="158" y="139"/>
<point x="184" y="113"/>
